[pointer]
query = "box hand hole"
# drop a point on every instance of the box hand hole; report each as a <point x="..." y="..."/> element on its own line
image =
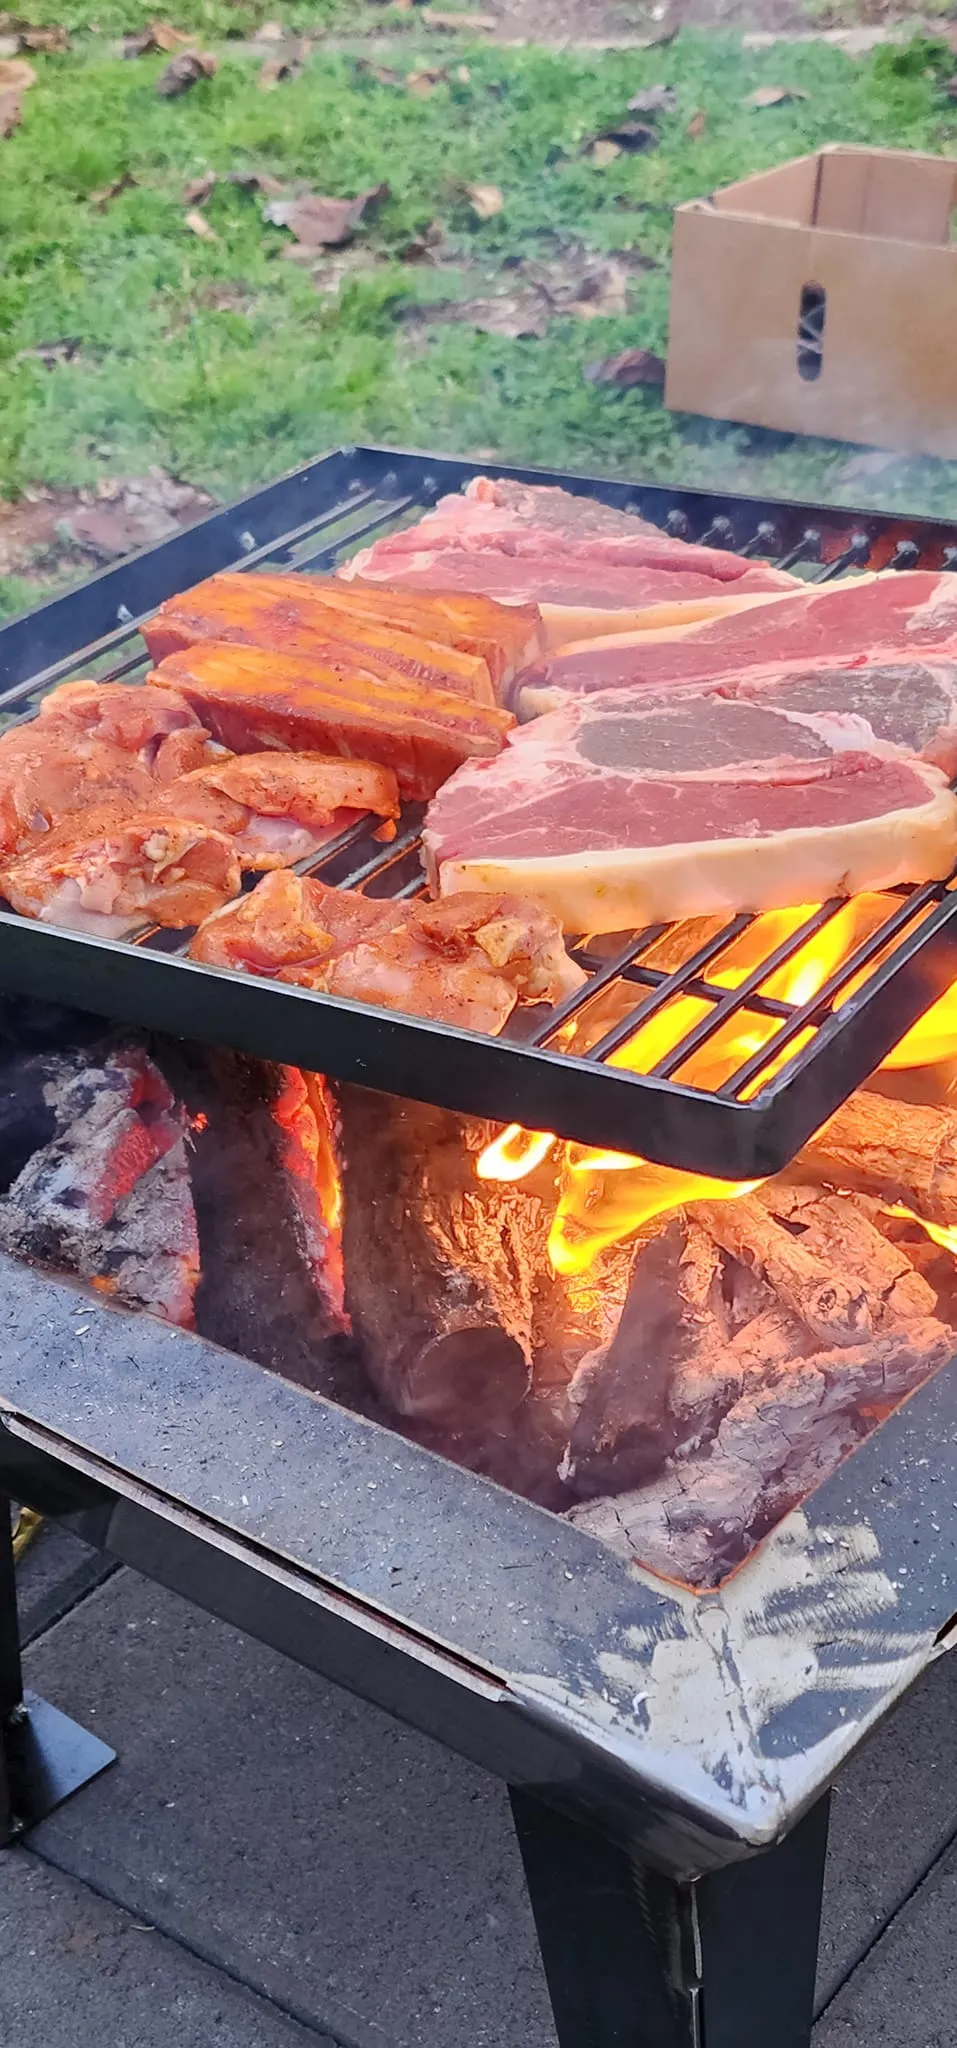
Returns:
<point x="812" y="313"/>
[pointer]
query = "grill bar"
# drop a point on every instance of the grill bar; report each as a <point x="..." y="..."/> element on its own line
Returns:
<point x="742" y="1127"/>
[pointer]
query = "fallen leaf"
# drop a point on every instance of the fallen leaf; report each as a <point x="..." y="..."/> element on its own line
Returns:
<point x="632" y="366"/>
<point x="140" y="510"/>
<point x="138" y="45"/>
<point x="274" y="71"/>
<point x="46" y="41"/>
<point x="422" y="84"/>
<point x="380" y="74"/>
<point x="185" y="71"/>
<point x="574" y="283"/>
<point x="255" y="181"/>
<point x="775" y="96"/>
<point x="11" y="113"/>
<point x="106" y="193"/>
<point x="603" y="153"/>
<point x="199" y="189"/>
<point x="51" y="352"/>
<point x="517" y="315"/>
<point x="630" y="135"/>
<point x="654" y="99"/>
<point x="697" y="125"/>
<point x="321" y="223"/>
<point x="424" y="247"/>
<point x="470" y="23"/>
<point x="485" y="201"/>
<point x="198" y="224"/>
<point x="166" y="37"/>
<point x="16" y="75"/>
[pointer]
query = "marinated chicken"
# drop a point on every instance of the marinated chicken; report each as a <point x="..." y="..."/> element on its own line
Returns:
<point x="250" y="699"/>
<point x="114" y="872"/>
<point x="466" y="962"/>
<point x="154" y="727"/>
<point x="279" y="808"/>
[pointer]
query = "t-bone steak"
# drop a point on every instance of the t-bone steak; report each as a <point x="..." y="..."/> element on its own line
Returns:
<point x="889" y="617"/>
<point x="615" y="814"/>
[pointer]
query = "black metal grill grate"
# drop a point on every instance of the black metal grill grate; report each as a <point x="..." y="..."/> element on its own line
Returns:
<point x="748" y="1076"/>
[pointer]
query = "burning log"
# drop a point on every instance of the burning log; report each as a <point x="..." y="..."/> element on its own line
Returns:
<point x="835" y="1309"/>
<point x="108" y="1196"/>
<point x="841" y="1229"/>
<point x="442" y="1269"/>
<point x="905" y="1156"/>
<point x="701" y="1516"/>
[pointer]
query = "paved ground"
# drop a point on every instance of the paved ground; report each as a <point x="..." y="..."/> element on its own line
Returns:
<point x="273" y="1863"/>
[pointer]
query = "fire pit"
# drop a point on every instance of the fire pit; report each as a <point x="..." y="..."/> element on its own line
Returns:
<point x="670" y="1699"/>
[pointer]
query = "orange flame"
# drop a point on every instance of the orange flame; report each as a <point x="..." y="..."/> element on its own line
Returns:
<point x="607" y="1196"/>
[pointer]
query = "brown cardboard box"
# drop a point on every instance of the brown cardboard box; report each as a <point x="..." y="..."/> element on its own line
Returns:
<point x="821" y="298"/>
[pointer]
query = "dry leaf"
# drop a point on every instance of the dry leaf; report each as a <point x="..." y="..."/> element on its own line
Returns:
<point x="632" y="366"/>
<point x="199" y="189"/>
<point x="274" y="71"/>
<point x="321" y="223"/>
<point x="422" y="84"/>
<point x="697" y="125"/>
<point x="166" y="37"/>
<point x="516" y="315"/>
<point x="603" y="153"/>
<point x="106" y="193"/>
<point x="631" y="135"/>
<point x="255" y="181"/>
<point x="11" y="113"/>
<point x="16" y="75"/>
<point x="198" y="224"/>
<point x="471" y="23"/>
<point x="45" y="41"/>
<point x="774" y="96"/>
<point x="425" y="247"/>
<point x="185" y="71"/>
<point x="485" y="201"/>
<point x="654" y="99"/>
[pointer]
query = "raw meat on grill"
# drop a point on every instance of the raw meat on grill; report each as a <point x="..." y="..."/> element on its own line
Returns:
<point x="880" y="617"/>
<point x="902" y="704"/>
<point x="591" y="569"/>
<point x="155" y="727"/>
<point x="616" y="814"/>
<point x="46" y="776"/>
<point x="251" y="699"/>
<point x="466" y="963"/>
<point x="112" y="871"/>
<point x="278" y="808"/>
<point x="464" y="643"/>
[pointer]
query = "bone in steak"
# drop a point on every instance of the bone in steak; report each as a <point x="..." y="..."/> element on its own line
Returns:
<point x="615" y="813"/>
<point x="891" y="617"/>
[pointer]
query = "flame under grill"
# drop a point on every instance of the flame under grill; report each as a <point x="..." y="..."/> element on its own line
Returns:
<point x="715" y="1051"/>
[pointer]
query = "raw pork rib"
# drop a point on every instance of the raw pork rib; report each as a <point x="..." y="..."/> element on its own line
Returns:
<point x="590" y="567"/>
<point x="464" y="963"/>
<point x="911" y="611"/>
<point x="614" y="814"/>
<point x="467" y="643"/>
<point x="251" y="699"/>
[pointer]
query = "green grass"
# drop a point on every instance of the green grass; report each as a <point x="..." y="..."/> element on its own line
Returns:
<point x="221" y="361"/>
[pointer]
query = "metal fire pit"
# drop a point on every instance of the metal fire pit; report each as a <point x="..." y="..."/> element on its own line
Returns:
<point x="668" y="1753"/>
<point x="749" y="1126"/>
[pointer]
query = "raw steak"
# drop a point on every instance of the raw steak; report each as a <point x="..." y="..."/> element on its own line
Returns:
<point x="881" y="616"/>
<point x="591" y="569"/>
<point x="903" y="704"/>
<point x="614" y="814"/>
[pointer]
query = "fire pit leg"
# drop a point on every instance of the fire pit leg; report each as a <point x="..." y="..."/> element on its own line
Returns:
<point x="44" y="1756"/>
<point x="635" y="1959"/>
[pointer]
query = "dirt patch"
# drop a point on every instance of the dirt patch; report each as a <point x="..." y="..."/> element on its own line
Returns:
<point x="46" y="533"/>
<point x="630" y="24"/>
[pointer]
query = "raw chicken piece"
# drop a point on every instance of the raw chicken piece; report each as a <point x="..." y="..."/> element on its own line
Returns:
<point x="45" y="775"/>
<point x="116" y="871"/>
<point x="278" y="808"/>
<point x="465" y="963"/>
<point x="251" y="699"/>
<point x="155" y="726"/>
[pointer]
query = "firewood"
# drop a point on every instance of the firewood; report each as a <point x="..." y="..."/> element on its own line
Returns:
<point x="835" y="1308"/>
<point x="442" y="1269"/>
<point x="904" y="1155"/>
<point x="845" y="1229"/>
<point x="700" y="1517"/>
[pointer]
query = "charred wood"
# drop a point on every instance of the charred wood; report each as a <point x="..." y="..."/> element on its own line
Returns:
<point x="903" y="1156"/>
<point x="834" y="1308"/>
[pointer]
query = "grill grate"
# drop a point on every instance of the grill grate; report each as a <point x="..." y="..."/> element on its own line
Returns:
<point x="793" y="1060"/>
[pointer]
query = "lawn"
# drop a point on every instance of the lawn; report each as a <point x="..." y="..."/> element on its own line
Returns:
<point x="226" y="363"/>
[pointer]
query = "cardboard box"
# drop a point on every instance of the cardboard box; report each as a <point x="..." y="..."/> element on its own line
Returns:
<point x="821" y="298"/>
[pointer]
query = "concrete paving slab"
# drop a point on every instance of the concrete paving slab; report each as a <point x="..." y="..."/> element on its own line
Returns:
<point x="75" y="1969"/>
<point x="904" y="1995"/>
<point x="353" y="1871"/>
<point x="346" y="1867"/>
<point x="55" y="1571"/>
